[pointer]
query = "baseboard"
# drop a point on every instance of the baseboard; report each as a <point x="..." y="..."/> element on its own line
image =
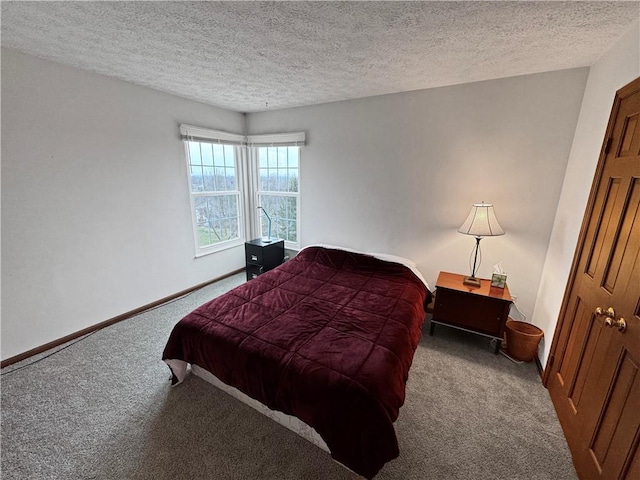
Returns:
<point x="106" y="323"/>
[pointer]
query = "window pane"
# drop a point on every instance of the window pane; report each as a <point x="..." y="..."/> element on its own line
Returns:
<point x="194" y="153"/>
<point x="262" y="157"/>
<point x="233" y="205"/>
<point x="230" y="178"/>
<point x="202" y="221"/>
<point x="278" y="169"/>
<point x="293" y="156"/>
<point x="293" y="180"/>
<point x="272" y="157"/>
<point x="225" y="228"/>
<point x="282" y="183"/>
<point x="207" y="154"/>
<point x="218" y="207"/>
<point x="218" y="155"/>
<point x="226" y="207"/>
<point x="216" y="219"/>
<point x="204" y="237"/>
<point x="207" y="179"/>
<point x="212" y="167"/>
<point x="292" y="234"/>
<point x="292" y="208"/>
<point x="283" y="213"/>
<point x="216" y="234"/>
<point x="271" y="180"/>
<point x="221" y="179"/>
<point x="197" y="182"/>
<point x="229" y="156"/>
<point x="263" y="176"/>
<point x="282" y="157"/>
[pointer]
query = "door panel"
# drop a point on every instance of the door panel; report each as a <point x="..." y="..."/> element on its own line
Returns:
<point x="615" y="432"/>
<point x="603" y="228"/>
<point x="624" y="240"/>
<point x="580" y="322"/>
<point x="590" y="361"/>
<point x="630" y="144"/>
<point x="634" y="467"/>
<point x="595" y="381"/>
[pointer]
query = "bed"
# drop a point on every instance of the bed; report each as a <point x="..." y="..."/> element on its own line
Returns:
<point x="327" y="338"/>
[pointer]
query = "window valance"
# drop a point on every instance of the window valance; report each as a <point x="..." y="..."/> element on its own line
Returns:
<point x="199" y="134"/>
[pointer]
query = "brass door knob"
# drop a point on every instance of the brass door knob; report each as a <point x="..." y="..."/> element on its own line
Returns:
<point x="620" y="324"/>
<point x="609" y="312"/>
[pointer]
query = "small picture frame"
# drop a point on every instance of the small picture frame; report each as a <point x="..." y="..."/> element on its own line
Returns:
<point x="498" y="280"/>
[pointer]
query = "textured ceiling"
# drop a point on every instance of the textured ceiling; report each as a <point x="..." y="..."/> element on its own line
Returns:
<point x="253" y="56"/>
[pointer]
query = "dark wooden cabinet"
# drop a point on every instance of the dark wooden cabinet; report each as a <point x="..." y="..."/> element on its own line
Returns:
<point x="262" y="256"/>
<point x="482" y="310"/>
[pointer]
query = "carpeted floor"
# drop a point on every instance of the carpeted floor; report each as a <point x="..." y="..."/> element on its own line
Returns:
<point x="102" y="408"/>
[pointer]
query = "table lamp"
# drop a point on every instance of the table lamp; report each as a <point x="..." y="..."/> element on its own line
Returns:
<point x="268" y="237"/>
<point x="481" y="222"/>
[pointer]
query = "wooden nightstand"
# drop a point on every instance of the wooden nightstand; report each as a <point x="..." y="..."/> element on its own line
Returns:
<point x="482" y="310"/>
<point x="262" y="256"/>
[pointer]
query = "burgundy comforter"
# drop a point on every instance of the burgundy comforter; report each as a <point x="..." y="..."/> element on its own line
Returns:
<point x="328" y="337"/>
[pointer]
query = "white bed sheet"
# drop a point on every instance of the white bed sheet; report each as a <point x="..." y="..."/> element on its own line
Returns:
<point x="410" y="264"/>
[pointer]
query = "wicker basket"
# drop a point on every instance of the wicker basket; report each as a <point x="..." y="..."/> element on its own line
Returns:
<point x="522" y="340"/>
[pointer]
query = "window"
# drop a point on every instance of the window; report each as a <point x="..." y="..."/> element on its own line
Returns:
<point x="215" y="187"/>
<point x="225" y="191"/>
<point x="276" y="177"/>
<point x="278" y="191"/>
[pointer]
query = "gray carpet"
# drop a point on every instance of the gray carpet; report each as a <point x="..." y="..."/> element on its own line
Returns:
<point x="102" y="408"/>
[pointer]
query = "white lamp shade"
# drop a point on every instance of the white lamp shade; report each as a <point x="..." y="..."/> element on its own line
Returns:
<point x="481" y="222"/>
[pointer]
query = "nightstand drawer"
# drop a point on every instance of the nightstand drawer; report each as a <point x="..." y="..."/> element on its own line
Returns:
<point x="253" y="254"/>
<point x="254" y="271"/>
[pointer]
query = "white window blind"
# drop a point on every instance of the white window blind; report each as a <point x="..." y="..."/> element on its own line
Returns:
<point x="296" y="139"/>
<point x="199" y="134"/>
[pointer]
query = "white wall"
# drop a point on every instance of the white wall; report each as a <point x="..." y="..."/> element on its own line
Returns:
<point x="95" y="206"/>
<point x="398" y="173"/>
<point x="95" y="218"/>
<point x="616" y="68"/>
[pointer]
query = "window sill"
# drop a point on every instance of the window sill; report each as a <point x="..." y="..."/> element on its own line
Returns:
<point x="292" y="246"/>
<point x="219" y="248"/>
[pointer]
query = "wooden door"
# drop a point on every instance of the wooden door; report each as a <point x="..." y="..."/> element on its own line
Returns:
<point x="593" y="372"/>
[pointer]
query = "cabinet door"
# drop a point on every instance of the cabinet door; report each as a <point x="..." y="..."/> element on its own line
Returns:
<point x="474" y="312"/>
